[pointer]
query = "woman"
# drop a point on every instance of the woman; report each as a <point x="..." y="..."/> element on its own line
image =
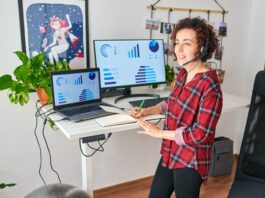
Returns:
<point x="191" y="114"/>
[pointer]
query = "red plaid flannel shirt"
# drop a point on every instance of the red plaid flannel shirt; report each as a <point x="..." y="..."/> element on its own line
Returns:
<point x="197" y="107"/>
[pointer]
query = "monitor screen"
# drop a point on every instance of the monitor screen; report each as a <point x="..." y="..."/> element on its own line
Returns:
<point x="75" y="86"/>
<point x="127" y="63"/>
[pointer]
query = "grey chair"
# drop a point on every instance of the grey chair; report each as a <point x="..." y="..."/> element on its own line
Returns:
<point x="58" y="191"/>
<point x="250" y="172"/>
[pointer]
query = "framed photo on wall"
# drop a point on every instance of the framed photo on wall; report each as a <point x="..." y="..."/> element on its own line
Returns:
<point x="57" y="27"/>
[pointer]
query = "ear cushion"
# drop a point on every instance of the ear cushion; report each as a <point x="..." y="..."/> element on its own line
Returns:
<point x="204" y="49"/>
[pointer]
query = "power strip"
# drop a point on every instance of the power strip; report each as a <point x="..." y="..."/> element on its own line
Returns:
<point x="93" y="138"/>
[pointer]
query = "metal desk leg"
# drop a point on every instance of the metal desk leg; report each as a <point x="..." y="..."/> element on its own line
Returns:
<point x="87" y="171"/>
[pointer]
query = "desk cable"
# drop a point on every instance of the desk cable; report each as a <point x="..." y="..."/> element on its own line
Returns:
<point x="48" y="149"/>
<point x="35" y="133"/>
<point x="100" y="148"/>
<point x="44" y="116"/>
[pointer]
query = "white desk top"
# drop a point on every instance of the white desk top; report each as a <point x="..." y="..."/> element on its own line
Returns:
<point x="91" y="127"/>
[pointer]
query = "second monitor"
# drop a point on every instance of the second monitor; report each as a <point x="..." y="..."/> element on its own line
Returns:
<point x="130" y="63"/>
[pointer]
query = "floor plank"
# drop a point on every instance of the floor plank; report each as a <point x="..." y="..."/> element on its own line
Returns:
<point x="217" y="187"/>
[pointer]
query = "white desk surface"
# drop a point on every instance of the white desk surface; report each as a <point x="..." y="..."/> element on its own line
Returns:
<point x="90" y="127"/>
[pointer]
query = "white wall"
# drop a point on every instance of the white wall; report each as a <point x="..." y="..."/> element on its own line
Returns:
<point x="127" y="155"/>
<point x="255" y="45"/>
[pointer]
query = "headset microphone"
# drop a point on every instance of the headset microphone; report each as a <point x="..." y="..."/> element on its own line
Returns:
<point x="194" y="59"/>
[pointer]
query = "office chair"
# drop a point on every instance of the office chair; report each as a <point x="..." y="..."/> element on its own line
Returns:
<point x="58" y="191"/>
<point x="250" y="172"/>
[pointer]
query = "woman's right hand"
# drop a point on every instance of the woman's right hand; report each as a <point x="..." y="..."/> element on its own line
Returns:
<point x="137" y="114"/>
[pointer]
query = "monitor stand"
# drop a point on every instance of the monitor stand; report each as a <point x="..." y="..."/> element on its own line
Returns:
<point x="111" y="92"/>
<point x="128" y="94"/>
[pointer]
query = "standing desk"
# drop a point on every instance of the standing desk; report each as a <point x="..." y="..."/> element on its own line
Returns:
<point x="90" y="127"/>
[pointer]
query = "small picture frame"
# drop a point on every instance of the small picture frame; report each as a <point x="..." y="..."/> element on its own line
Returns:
<point x="152" y="24"/>
<point x="222" y="29"/>
<point x="57" y="27"/>
<point x="166" y="28"/>
<point x="219" y="53"/>
<point x="168" y="49"/>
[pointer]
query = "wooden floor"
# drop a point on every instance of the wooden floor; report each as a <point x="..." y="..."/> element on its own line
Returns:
<point x="216" y="187"/>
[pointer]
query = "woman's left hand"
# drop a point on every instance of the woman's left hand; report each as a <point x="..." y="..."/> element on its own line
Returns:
<point x="149" y="129"/>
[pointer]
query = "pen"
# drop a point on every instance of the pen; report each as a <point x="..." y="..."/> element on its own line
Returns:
<point x="141" y="105"/>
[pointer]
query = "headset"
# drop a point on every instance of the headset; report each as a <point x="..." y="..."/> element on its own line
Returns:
<point x="204" y="48"/>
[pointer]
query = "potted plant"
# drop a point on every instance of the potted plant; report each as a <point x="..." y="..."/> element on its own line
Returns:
<point x="32" y="75"/>
<point x="170" y="74"/>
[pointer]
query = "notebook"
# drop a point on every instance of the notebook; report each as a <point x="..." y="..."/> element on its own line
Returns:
<point x="76" y="94"/>
<point x="122" y="118"/>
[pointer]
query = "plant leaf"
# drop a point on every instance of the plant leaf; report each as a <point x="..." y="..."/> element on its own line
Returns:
<point x="19" y="88"/>
<point x="23" y="57"/>
<point x="3" y="185"/>
<point x="170" y="74"/>
<point x="24" y="71"/>
<point x="5" y="82"/>
<point x="37" y="61"/>
<point x="23" y="98"/>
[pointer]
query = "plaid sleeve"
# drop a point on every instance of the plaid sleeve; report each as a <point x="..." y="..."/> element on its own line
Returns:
<point x="163" y="106"/>
<point x="206" y="119"/>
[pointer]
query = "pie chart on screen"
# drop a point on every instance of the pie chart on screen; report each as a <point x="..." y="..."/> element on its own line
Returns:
<point x="60" y="81"/>
<point x="153" y="46"/>
<point x="91" y="75"/>
<point x="105" y="50"/>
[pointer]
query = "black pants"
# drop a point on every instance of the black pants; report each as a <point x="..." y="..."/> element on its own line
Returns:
<point x="186" y="183"/>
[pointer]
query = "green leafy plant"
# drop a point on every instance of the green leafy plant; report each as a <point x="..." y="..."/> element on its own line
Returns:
<point x="30" y="75"/>
<point x="170" y="75"/>
<point x="4" y="185"/>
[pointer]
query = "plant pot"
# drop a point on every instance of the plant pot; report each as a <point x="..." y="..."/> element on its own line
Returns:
<point x="43" y="96"/>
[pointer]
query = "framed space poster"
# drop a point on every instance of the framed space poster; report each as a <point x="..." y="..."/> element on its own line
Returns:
<point x="57" y="27"/>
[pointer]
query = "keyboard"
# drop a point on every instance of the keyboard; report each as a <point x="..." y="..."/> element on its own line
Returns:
<point x="147" y="102"/>
<point x="84" y="109"/>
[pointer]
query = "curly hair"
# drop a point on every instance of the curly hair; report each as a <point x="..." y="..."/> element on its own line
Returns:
<point x="205" y="35"/>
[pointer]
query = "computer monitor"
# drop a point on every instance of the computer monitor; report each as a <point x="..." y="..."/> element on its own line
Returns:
<point x="130" y="63"/>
